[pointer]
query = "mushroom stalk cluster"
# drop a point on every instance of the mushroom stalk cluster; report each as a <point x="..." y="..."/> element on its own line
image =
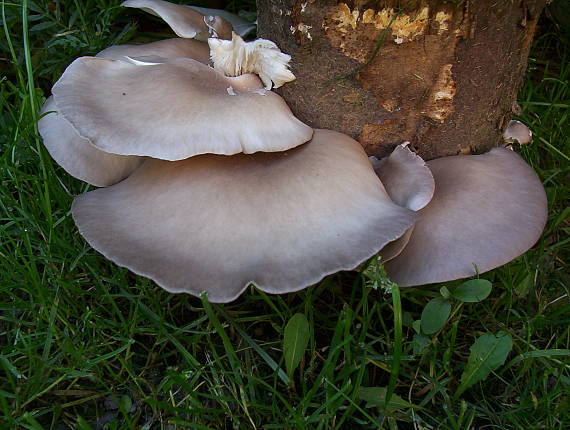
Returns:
<point x="210" y="184"/>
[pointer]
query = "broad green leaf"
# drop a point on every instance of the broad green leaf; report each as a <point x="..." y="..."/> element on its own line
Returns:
<point x="376" y="397"/>
<point x="43" y="26"/>
<point x="420" y="343"/>
<point x="435" y="314"/>
<point x="487" y="354"/>
<point x="125" y="404"/>
<point x="417" y="326"/>
<point x="523" y="288"/>
<point x="407" y="319"/>
<point x="82" y="424"/>
<point x="444" y="291"/>
<point x="473" y="291"/>
<point x="295" y="341"/>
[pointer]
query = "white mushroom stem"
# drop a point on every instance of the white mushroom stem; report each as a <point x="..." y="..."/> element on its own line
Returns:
<point x="262" y="57"/>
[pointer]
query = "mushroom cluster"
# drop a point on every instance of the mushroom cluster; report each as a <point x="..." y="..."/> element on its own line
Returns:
<point x="210" y="184"/>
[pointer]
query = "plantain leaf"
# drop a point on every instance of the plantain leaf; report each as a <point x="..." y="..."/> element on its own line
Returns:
<point x="435" y="314"/>
<point x="295" y="341"/>
<point x="376" y="397"/>
<point x="473" y="291"/>
<point x="488" y="352"/>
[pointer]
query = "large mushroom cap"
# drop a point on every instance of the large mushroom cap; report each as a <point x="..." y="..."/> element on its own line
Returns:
<point x="76" y="154"/>
<point x="281" y="221"/>
<point x="174" y="109"/>
<point x="487" y="210"/>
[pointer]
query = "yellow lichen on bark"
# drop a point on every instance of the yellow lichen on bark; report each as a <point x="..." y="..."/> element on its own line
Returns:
<point x="344" y="17"/>
<point x="405" y="28"/>
<point x="441" y="104"/>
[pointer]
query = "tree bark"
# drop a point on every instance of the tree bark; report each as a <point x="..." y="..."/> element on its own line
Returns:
<point x="445" y="76"/>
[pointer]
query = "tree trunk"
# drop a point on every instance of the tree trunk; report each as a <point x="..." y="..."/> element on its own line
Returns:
<point x="445" y="76"/>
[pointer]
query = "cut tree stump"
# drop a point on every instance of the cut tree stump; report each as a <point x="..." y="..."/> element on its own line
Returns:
<point x="445" y="76"/>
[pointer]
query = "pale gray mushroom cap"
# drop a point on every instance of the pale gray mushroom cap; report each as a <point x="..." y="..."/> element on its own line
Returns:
<point x="167" y="48"/>
<point x="174" y="110"/>
<point x="406" y="177"/>
<point x="517" y="131"/>
<point x="184" y="21"/>
<point x="487" y="210"/>
<point x="281" y="221"/>
<point x="409" y="183"/>
<point x="240" y="25"/>
<point x="77" y="156"/>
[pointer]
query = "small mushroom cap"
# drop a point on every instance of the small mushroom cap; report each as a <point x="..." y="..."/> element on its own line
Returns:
<point x="77" y="156"/>
<point x="487" y="210"/>
<point x="517" y="131"/>
<point x="167" y="48"/>
<point x="240" y="25"/>
<point x="281" y="221"/>
<point x="174" y="110"/>
<point x="184" y="21"/>
<point x="409" y="183"/>
<point x="406" y="177"/>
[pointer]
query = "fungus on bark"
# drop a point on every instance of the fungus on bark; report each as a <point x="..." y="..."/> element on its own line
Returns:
<point x="486" y="210"/>
<point x="288" y="207"/>
<point x="517" y="132"/>
<point x="121" y="109"/>
<point x="185" y="21"/>
<point x="281" y="221"/>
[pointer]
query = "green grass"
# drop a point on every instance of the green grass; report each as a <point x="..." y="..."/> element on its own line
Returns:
<point x="84" y="342"/>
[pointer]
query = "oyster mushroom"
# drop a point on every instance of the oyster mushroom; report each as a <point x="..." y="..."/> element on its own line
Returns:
<point x="281" y="221"/>
<point x="127" y="107"/>
<point x="281" y="214"/>
<point x="518" y="132"/>
<point x="409" y="183"/>
<point x="186" y="22"/>
<point x="76" y="154"/>
<point x="167" y="48"/>
<point x="486" y="210"/>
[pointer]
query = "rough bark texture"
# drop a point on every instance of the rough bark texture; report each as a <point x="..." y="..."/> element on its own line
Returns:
<point x="445" y="77"/>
